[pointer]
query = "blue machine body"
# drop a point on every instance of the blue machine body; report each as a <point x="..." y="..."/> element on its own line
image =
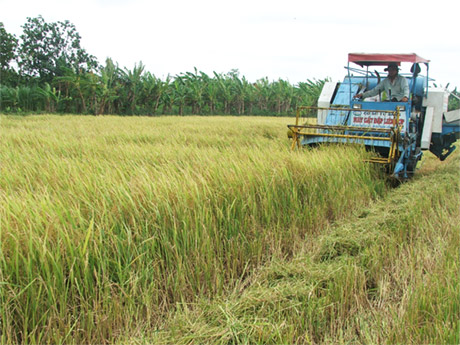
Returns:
<point x="363" y="118"/>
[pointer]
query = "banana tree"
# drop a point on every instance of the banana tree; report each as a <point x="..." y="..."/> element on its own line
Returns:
<point x="179" y="92"/>
<point x="167" y="96"/>
<point x="8" y="98"/>
<point x="50" y="96"/>
<point x="224" y="84"/>
<point x="108" y="92"/>
<point x="133" y="85"/>
<point x="263" y="93"/>
<point x="239" y="90"/>
<point x="195" y="90"/>
<point x="307" y="93"/>
<point x="211" y="91"/>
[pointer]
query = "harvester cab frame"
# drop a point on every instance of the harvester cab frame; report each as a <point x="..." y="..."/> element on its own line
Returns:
<point x="397" y="132"/>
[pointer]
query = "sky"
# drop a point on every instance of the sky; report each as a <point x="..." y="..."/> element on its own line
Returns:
<point x="294" y="40"/>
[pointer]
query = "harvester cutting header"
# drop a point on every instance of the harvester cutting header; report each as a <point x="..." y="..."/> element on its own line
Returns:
<point x="397" y="117"/>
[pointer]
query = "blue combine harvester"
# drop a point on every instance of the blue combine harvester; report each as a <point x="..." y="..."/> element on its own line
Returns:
<point x="397" y="131"/>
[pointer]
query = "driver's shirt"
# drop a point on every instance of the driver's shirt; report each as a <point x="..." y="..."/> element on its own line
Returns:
<point x="398" y="89"/>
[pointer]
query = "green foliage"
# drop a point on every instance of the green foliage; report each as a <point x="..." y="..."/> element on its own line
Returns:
<point x="46" y="49"/>
<point x="454" y="100"/>
<point x="8" y="43"/>
<point x="136" y="92"/>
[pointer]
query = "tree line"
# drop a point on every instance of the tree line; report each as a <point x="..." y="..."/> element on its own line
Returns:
<point x="47" y="70"/>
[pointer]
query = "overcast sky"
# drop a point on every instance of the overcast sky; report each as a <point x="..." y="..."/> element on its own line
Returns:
<point x="293" y="40"/>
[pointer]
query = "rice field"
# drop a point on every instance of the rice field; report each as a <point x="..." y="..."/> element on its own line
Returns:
<point x="109" y="225"/>
<point x="387" y="275"/>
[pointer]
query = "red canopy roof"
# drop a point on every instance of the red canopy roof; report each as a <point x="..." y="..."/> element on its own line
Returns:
<point x="364" y="59"/>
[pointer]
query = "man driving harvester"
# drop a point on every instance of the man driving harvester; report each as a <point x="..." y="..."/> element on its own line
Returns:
<point x="395" y="86"/>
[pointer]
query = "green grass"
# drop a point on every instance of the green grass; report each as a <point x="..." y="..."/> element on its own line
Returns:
<point x="110" y="225"/>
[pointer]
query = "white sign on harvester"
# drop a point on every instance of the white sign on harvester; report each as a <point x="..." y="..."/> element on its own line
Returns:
<point x="376" y="119"/>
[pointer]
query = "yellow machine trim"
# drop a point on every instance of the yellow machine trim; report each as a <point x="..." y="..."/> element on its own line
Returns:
<point x="392" y="134"/>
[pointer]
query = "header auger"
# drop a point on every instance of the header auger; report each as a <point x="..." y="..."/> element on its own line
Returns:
<point x="396" y="130"/>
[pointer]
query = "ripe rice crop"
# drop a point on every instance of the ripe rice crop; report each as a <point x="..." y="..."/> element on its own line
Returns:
<point x="388" y="275"/>
<point x="107" y="223"/>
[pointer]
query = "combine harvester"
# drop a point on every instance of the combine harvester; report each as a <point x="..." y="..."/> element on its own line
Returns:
<point x="397" y="131"/>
